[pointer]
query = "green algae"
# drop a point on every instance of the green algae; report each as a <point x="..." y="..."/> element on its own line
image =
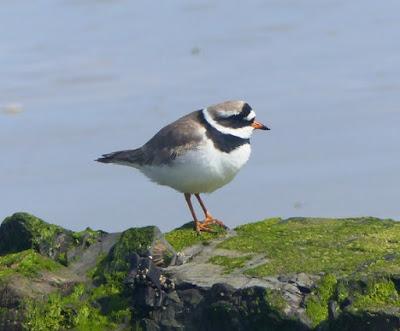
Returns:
<point x="275" y="300"/>
<point x="87" y="237"/>
<point x="88" y="307"/>
<point x="345" y="250"/>
<point x="99" y="308"/>
<point x="115" y="266"/>
<point x="378" y="293"/>
<point x="27" y="263"/>
<point x="75" y="311"/>
<point x="112" y="269"/>
<point x="185" y="236"/>
<point x="317" y="302"/>
<point x="229" y="264"/>
<point x="342" y="291"/>
<point x="113" y="301"/>
<point x="22" y="231"/>
<point x="312" y="245"/>
<point x="356" y="296"/>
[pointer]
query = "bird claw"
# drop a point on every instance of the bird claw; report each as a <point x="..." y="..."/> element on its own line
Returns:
<point x="205" y="225"/>
<point x="202" y="227"/>
<point x="220" y="223"/>
<point x="211" y="220"/>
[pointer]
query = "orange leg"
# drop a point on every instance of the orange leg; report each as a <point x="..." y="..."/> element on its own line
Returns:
<point x="208" y="218"/>
<point x="199" y="226"/>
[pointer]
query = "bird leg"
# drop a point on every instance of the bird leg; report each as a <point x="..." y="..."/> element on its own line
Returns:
<point x="208" y="218"/>
<point x="198" y="226"/>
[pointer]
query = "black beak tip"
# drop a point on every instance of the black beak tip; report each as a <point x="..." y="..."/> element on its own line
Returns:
<point x="266" y="128"/>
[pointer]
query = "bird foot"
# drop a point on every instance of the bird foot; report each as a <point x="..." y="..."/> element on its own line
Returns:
<point x="211" y="220"/>
<point x="202" y="227"/>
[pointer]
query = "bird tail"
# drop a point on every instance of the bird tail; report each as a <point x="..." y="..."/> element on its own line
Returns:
<point x="131" y="157"/>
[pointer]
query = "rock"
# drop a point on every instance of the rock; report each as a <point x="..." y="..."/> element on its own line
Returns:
<point x="16" y="290"/>
<point x="304" y="282"/>
<point x="23" y="231"/>
<point x="396" y="281"/>
<point x="53" y="278"/>
<point x="188" y="307"/>
<point x="161" y="251"/>
<point x="138" y="242"/>
<point x="38" y="259"/>
<point x="364" y="321"/>
<point x="144" y="270"/>
<point x="333" y="310"/>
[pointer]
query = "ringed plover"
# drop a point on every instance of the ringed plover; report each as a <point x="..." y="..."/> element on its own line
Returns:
<point x="198" y="153"/>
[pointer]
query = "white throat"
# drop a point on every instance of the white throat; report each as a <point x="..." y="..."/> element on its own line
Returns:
<point x="244" y="132"/>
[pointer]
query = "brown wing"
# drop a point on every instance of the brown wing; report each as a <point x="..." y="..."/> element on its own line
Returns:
<point x="169" y="143"/>
<point x="174" y="140"/>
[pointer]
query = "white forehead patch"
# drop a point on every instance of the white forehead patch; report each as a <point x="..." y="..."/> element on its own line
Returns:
<point x="251" y="116"/>
<point x="244" y="133"/>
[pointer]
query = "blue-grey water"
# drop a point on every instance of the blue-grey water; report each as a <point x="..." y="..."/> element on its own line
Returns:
<point x="79" y="78"/>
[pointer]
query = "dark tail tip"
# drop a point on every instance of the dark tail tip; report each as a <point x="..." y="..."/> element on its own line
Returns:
<point x="103" y="160"/>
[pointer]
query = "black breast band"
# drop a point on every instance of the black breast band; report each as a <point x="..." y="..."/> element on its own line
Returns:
<point x="222" y="141"/>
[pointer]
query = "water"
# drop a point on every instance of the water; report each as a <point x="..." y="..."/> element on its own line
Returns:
<point x="82" y="78"/>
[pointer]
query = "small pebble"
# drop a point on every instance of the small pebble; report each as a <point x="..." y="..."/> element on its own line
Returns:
<point x="12" y="108"/>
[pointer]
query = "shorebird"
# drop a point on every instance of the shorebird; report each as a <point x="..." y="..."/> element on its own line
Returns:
<point x="198" y="153"/>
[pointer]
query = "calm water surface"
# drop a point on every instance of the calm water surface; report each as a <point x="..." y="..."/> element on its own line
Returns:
<point x="82" y="78"/>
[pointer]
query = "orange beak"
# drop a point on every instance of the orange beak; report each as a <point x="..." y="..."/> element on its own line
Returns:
<point x="259" y="126"/>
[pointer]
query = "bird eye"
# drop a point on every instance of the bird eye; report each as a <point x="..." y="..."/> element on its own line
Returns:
<point x="242" y="119"/>
<point x="236" y="118"/>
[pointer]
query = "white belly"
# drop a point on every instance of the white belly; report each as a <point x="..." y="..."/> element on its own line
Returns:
<point x="203" y="170"/>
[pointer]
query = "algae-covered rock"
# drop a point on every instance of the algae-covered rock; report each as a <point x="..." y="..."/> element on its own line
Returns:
<point x="185" y="306"/>
<point x="55" y="279"/>
<point x="40" y="265"/>
<point x="295" y="274"/>
<point x="184" y="236"/>
<point x="27" y="275"/>
<point x="367" y="303"/>
<point x="23" y="231"/>
<point x="323" y="272"/>
<point x="313" y="245"/>
<point x="146" y="242"/>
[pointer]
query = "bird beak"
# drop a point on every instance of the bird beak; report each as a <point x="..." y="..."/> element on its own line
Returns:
<point x="260" y="126"/>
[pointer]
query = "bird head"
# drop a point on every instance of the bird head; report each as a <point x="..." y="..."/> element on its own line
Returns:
<point x="236" y="118"/>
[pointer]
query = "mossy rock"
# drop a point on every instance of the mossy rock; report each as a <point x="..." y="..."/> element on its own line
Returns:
<point x="27" y="263"/>
<point x="367" y="303"/>
<point x="41" y="290"/>
<point x="77" y="310"/>
<point x="344" y="247"/>
<point x="185" y="236"/>
<point x="356" y="261"/>
<point x="230" y="263"/>
<point x="23" y="231"/>
<point x="146" y="242"/>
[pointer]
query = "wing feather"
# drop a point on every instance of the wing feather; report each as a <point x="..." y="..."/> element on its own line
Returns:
<point x="174" y="140"/>
<point x="169" y="143"/>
